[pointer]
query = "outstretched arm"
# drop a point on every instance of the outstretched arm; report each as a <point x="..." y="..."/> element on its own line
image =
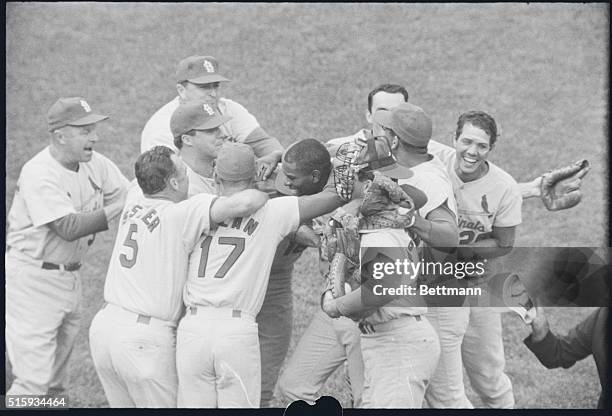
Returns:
<point x="241" y="204"/>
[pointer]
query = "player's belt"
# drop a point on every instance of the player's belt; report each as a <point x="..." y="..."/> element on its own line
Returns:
<point x="137" y="317"/>
<point x="368" y="328"/>
<point x="218" y="313"/>
<point x="70" y="267"/>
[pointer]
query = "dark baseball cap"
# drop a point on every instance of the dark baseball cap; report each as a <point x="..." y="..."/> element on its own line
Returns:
<point x="377" y="156"/>
<point x="199" y="70"/>
<point x="71" y="111"/>
<point x="410" y="123"/>
<point x="235" y="162"/>
<point x="195" y="116"/>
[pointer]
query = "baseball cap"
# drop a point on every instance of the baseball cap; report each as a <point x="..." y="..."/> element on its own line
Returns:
<point x="71" y="111"/>
<point x="199" y="70"/>
<point x="377" y="155"/>
<point x="235" y="162"/>
<point x="409" y="122"/>
<point x="195" y="116"/>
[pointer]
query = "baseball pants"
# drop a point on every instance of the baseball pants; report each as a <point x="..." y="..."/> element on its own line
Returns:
<point x="218" y="360"/>
<point x="275" y="321"/>
<point x="399" y="358"/>
<point x="446" y="388"/>
<point x="325" y="345"/>
<point x="42" y="322"/>
<point x="482" y="351"/>
<point x="135" y="358"/>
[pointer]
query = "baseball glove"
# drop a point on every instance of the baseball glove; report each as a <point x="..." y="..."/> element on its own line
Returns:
<point x="344" y="262"/>
<point x="560" y="188"/>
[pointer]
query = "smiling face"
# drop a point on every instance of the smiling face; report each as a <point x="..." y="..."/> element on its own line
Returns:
<point x="473" y="146"/>
<point x="207" y="93"/>
<point x="303" y="182"/>
<point x="77" y="142"/>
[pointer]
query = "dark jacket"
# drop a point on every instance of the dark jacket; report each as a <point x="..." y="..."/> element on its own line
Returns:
<point x="586" y="338"/>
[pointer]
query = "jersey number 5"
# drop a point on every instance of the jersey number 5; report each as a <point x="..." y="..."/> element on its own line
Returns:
<point x="237" y="242"/>
<point x="126" y="262"/>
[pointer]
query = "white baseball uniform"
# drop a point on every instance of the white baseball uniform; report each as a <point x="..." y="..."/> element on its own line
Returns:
<point x="401" y="352"/>
<point x="157" y="130"/>
<point x="327" y="342"/>
<point x="133" y="337"/>
<point x="218" y="356"/>
<point x="493" y="200"/>
<point x="199" y="184"/>
<point x="42" y="297"/>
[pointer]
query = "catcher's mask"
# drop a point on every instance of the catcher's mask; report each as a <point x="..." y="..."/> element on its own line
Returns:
<point x="353" y="157"/>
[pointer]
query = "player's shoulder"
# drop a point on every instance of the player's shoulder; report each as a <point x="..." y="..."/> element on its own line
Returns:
<point x="346" y="139"/>
<point x="282" y="201"/>
<point x="443" y="152"/>
<point x="434" y="169"/>
<point x="500" y="176"/>
<point x="162" y="115"/>
<point x="230" y="107"/>
<point x="41" y="165"/>
<point x="98" y="163"/>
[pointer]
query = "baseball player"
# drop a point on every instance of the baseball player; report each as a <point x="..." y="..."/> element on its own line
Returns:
<point x="304" y="170"/>
<point x="198" y="79"/>
<point x="195" y="127"/>
<point x="319" y="352"/>
<point x="65" y="195"/>
<point x="399" y="346"/>
<point x="489" y="207"/>
<point x="133" y="337"/>
<point x="218" y="357"/>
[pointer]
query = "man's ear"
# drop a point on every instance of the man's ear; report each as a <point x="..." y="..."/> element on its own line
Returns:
<point x="394" y="143"/>
<point x="173" y="182"/>
<point x="366" y="185"/>
<point x="58" y="135"/>
<point x="368" y="115"/>
<point x="316" y="176"/>
<point x="187" y="140"/>
<point x="181" y="90"/>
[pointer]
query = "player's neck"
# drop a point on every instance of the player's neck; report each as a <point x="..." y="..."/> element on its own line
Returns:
<point x="62" y="159"/>
<point x="411" y="159"/>
<point x="200" y="165"/>
<point x="231" y="188"/>
<point x="165" y="194"/>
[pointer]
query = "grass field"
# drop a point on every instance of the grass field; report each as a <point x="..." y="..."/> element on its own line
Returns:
<point x="304" y="71"/>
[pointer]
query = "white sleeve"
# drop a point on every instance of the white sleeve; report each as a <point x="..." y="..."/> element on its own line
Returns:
<point x="113" y="181"/>
<point x="44" y="197"/>
<point x="193" y="217"/>
<point x="510" y="208"/>
<point x="242" y="123"/>
<point x="285" y="213"/>
<point x="437" y="191"/>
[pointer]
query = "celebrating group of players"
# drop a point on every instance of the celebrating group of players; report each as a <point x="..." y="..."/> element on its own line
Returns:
<point x="197" y="299"/>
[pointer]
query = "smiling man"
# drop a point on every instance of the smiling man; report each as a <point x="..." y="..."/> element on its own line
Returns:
<point x="65" y="195"/>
